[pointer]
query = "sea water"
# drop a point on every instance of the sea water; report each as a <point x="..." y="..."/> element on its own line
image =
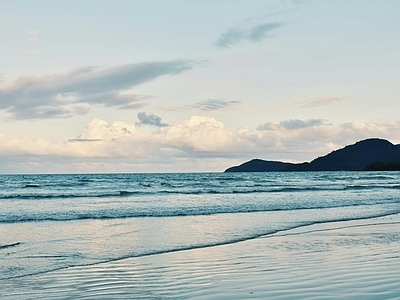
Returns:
<point x="54" y="222"/>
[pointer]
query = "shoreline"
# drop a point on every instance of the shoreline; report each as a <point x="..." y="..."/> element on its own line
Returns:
<point x="351" y="259"/>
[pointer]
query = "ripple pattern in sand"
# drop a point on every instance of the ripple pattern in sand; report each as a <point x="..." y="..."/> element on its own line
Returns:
<point x="349" y="261"/>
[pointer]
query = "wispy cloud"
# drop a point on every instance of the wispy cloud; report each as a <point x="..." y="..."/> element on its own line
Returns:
<point x="256" y="33"/>
<point x="55" y="96"/>
<point x="230" y="37"/>
<point x="313" y="102"/>
<point x="321" y="101"/>
<point x="149" y="119"/>
<point x="213" y="104"/>
<point x="262" y="31"/>
<point x="207" y="105"/>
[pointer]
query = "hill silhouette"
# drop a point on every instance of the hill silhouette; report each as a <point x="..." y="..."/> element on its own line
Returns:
<point x="363" y="155"/>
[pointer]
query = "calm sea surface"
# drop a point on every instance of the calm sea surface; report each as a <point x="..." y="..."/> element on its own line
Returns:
<point x="53" y="222"/>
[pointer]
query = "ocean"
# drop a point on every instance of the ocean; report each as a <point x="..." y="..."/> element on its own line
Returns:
<point x="56" y="223"/>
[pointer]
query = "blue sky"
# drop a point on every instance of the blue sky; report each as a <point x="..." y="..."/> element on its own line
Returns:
<point x="180" y="86"/>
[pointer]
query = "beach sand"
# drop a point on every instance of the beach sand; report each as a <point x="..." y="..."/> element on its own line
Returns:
<point x="340" y="260"/>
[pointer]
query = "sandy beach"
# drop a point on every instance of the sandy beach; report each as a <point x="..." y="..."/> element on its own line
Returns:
<point x="340" y="260"/>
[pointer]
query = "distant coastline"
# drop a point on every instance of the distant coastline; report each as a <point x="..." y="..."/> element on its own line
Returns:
<point x="367" y="155"/>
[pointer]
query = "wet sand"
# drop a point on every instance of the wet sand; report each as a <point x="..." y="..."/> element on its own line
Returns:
<point x="340" y="260"/>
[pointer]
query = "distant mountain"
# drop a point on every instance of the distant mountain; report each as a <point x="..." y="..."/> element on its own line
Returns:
<point x="363" y="155"/>
<point x="259" y="165"/>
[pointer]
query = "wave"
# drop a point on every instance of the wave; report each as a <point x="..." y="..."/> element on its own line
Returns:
<point x="354" y="176"/>
<point x="30" y="185"/>
<point x="72" y="195"/>
<point x="189" y="191"/>
<point x="376" y="177"/>
<point x="165" y="212"/>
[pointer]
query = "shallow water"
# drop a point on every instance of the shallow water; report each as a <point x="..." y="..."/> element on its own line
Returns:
<point x="59" y="222"/>
<point x="341" y="260"/>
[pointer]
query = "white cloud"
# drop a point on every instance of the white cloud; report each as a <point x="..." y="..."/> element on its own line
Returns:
<point x="199" y="134"/>
<point x="193" y="142"/>
<point x="99" y="129"/>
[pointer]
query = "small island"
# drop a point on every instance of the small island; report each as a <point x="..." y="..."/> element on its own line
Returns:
<point x="367" y="155"/>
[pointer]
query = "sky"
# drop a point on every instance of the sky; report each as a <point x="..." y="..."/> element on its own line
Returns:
<point x="192" y="86"/>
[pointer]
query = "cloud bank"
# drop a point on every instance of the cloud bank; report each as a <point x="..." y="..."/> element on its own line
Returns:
<point x="74" y="93"/>
<point x="192" y="145"/>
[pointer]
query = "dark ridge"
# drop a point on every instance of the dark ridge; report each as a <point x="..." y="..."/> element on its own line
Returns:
<point x="357" y="157"/>
<point x="383" y="166"/>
